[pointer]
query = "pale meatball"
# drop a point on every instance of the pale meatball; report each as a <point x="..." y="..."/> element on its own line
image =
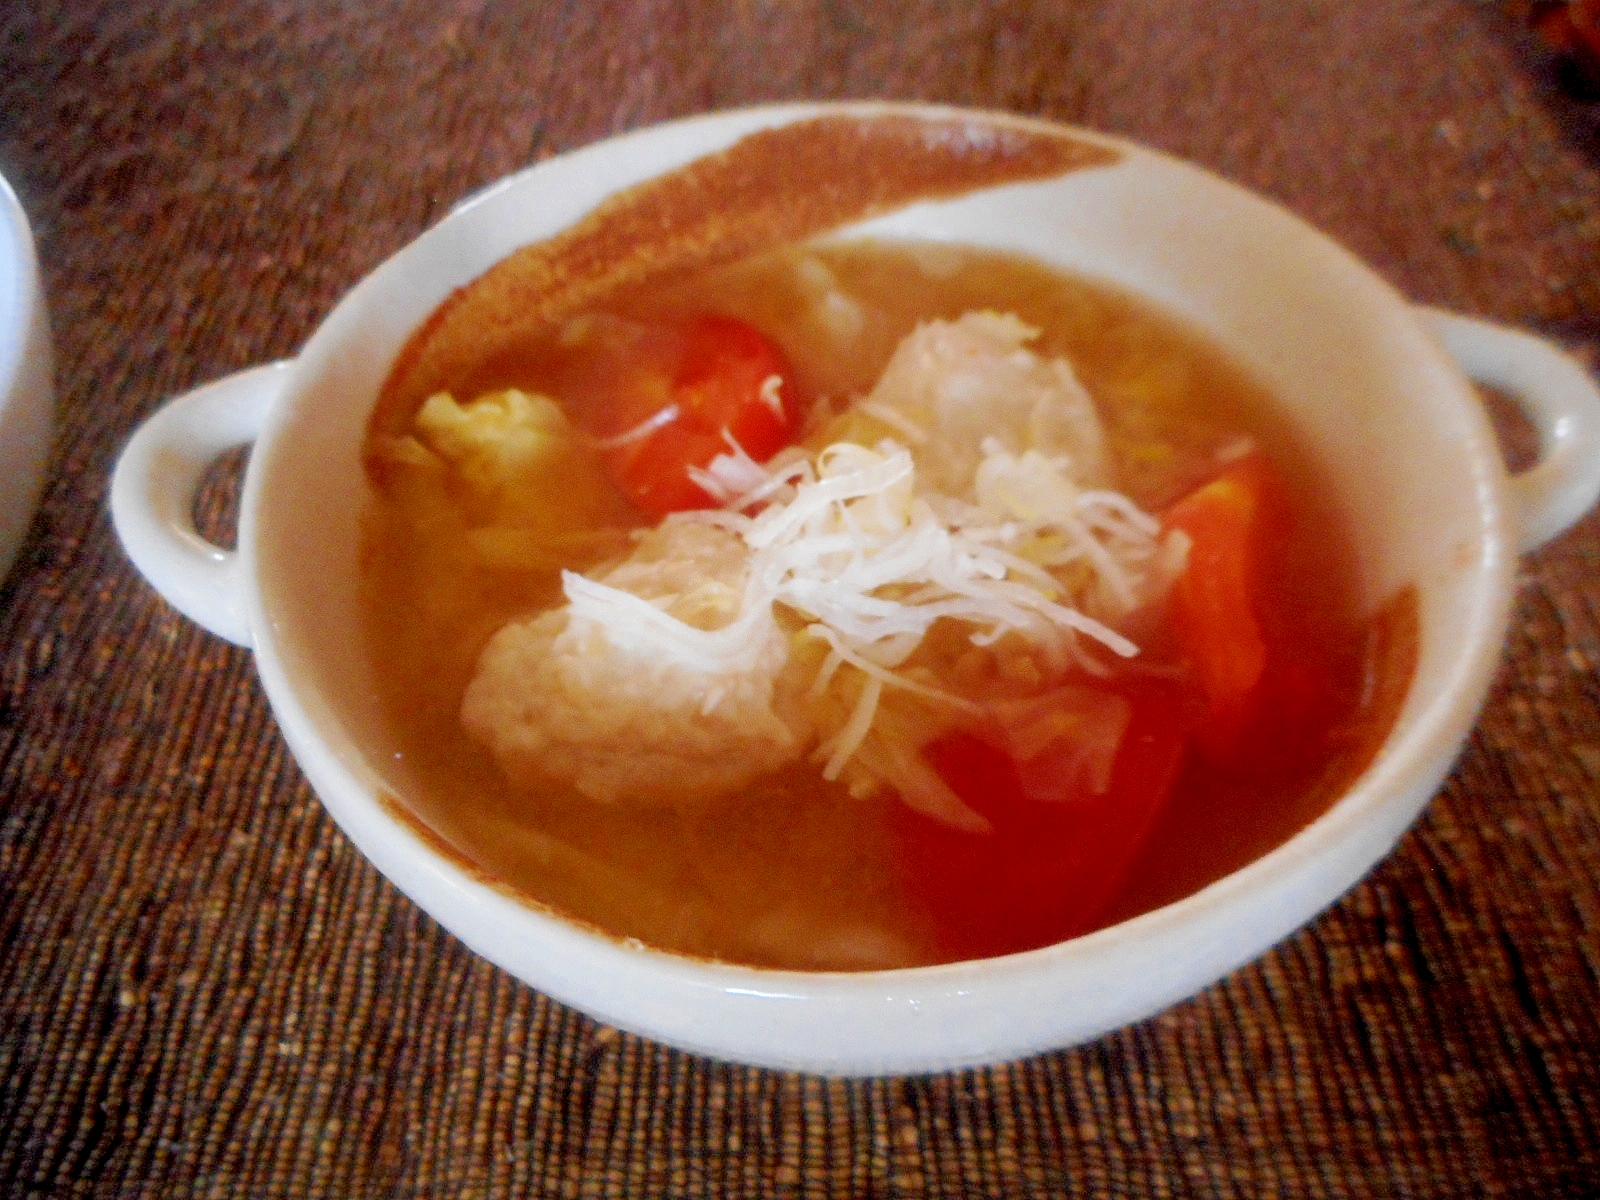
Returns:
<point x="604" y="699"/>
<point x="959" y="384"/>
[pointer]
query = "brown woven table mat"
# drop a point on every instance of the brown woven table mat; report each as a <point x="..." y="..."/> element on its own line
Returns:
<point x="205" y="991"/>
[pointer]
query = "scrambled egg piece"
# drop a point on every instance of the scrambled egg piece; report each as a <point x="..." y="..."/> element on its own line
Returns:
<point x="577" y="699"/>
<point x="518" y="462"/>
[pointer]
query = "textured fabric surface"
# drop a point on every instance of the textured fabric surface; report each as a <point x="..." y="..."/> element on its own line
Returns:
<point x="206" y="991"/>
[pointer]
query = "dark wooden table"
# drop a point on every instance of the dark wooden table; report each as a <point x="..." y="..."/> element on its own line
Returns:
<point x="205" y="991"/>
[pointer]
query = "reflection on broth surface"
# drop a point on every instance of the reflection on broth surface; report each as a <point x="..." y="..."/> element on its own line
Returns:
<point x="993" y="650"/>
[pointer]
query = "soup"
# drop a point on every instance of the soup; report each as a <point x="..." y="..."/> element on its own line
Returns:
<point x="866" y="604"/>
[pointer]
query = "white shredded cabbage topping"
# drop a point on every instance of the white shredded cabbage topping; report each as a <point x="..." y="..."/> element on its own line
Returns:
<point x="848" y="544"/>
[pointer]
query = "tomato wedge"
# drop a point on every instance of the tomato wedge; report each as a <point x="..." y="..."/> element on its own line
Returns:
<point x="722" y="379"/>
<point x="1214" y="612"/>
<point x="1052" y="863"/>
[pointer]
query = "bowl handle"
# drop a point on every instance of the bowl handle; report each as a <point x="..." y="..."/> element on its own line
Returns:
<point x="156" y="481"/>
<point x="1561" y="400"/>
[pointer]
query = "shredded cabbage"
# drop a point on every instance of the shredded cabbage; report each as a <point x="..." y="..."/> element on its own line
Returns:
<point x="846" y="543"/>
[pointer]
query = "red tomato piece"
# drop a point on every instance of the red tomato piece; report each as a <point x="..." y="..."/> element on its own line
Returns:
<point x="727" y="381"/>
<point x="1051" y="866"/>
<point x="723" y="386"/>
<point x="1214" y="612"/>
<point x="1307" y="693"/>
<point x="655" y="473"/>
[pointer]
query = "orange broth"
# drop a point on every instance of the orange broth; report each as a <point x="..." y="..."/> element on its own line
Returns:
<point x="794" y="872"/>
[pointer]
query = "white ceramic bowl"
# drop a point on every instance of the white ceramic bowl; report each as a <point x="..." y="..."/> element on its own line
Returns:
<point x="1379" y="387"/>
<point x="26" y="393"/>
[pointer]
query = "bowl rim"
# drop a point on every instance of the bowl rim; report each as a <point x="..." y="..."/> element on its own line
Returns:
<point x="27" y="378"/>
<point x="19" y="291"/>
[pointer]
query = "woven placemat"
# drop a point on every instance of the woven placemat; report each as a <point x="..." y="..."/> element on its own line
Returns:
<point x="204" y="989"/>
